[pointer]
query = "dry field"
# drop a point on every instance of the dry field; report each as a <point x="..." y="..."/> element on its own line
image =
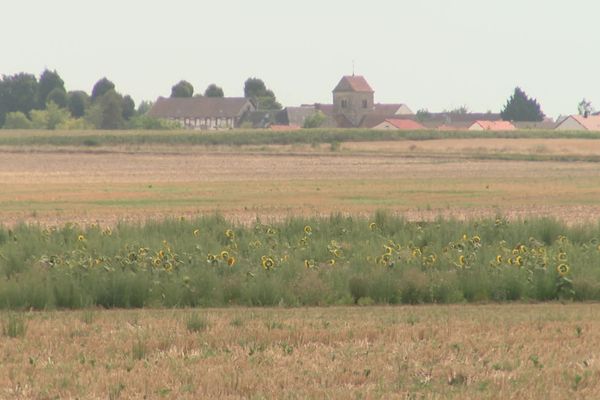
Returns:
<point x="421" y="180"/>
<point x="547" y="351"/>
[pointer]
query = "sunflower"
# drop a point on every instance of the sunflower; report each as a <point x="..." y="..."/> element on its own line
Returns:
<point x="331" y="262"/>
<point x="388" y="250"/>
<point x="476" y="239"/>
<point x="224" y="254"/>
<point x="231" y="261"/>
<point x="562" y="257"/>
<point x="196" y="232"/>
<point x="461" y="260"/>
<point x="270" y="231"/>
<point x="417" y="253"/>
<point x="211" y="258"/>
<point x="372" y="226"/>
<point x="81" y="238"/>
<point x="268" y="263"/>
<point x="498" y="259"/>
<point x="307" y="229"/>
<point x="168" y="267"/>
<point x="562" y="269"/>
<point x="519" y="261"/>
<point x="308" y="264"/>
<point x="230" y="234"/>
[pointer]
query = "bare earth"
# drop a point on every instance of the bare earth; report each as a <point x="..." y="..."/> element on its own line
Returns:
<point x="52" y="186"/>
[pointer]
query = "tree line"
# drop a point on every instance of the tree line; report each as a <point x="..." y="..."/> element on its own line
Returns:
<point x="29" y="102"/>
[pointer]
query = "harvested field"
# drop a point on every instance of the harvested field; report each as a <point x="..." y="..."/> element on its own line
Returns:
<point x="454" y="352"/>
<point x="420" y="180"/>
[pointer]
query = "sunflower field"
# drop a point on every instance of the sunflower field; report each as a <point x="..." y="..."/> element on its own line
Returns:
<point x="210" y="262"/>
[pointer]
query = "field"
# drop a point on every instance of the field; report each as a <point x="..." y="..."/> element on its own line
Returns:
<point x="347" y="219"/>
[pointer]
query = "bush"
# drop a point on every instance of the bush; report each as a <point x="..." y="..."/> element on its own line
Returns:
<point x="17" y="120"/>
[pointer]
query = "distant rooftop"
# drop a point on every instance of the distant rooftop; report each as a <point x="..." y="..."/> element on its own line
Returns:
<point x="353" y="83"/>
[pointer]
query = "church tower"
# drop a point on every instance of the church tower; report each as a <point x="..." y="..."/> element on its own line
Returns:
<point x="353" y="98"/>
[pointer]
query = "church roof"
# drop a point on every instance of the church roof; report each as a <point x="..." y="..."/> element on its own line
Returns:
<point x="353" y="83"/>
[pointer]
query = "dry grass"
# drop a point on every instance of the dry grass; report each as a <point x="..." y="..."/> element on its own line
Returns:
<point x="53" y="186"/>
<point x="461" y="352"/>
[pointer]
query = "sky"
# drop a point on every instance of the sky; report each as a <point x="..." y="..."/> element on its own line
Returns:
<point x="433" y="54"/>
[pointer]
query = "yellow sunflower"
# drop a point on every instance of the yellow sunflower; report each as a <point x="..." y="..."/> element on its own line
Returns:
<point x="196" y="232"/>
<point x="268" y="263"/>
<point x="231" y="261"/>
<point x="224" y="254"/>
<point x="372" y="226"/>
<point x="230" y="234"/>
<point x="308" y="229"/>
<point x="562" y="269"/>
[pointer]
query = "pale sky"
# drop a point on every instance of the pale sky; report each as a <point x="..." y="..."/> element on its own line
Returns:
<point x="435" y="54"/>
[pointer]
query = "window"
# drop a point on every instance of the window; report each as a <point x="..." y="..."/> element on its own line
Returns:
<point x="344" y="103"/>
<point x="365" y="103"/>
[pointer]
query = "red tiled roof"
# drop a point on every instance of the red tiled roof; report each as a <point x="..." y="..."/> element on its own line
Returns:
<point x="353" y="83"/>
<point x="404" y="124"/>
<point x="495" y="125"/>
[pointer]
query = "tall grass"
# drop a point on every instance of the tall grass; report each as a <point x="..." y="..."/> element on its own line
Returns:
<point x="259" y="137"/>
<point x="338" y="260"/>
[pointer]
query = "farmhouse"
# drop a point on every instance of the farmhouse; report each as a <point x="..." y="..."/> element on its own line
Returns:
<point x="580" y="123"/>
<point x="206" y="113"/>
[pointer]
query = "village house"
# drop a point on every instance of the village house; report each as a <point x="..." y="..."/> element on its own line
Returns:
<point x="492" y="126"/>
<point x="205" y="113"/>
<point x="580" y="123"/>
<point x="399" y="125"/>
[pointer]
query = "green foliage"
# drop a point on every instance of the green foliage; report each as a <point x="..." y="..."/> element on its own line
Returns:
<point x="17" y="120"/>
<point x="209" y="262"/>
<point x="315" y="120"/>
<point x="128" y="107"/>
<point x="584" y="108"/>
<point x="263" y="98"/>
<point x="520" y="107"/>
<point x="102" y="87"/>
<point x="50" y="82"/>
<point x="213" y="91"/>
<point x="144" y="107"/>
<point x="17" y="93"/>
<point x="57" y="96"/>
<point x="50" y="118"/>
<point x="77" y="103"/>
<point x="150" y="123"/>
<point x="107" y="111"/>
<point x="196" y="322"/>
<point x="182" y="89"/>
<point x="423" y="115"/>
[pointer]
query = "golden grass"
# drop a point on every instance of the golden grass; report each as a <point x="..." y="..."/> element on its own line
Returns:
<point x="461" y="352"/>
<point x="56" y="186"/>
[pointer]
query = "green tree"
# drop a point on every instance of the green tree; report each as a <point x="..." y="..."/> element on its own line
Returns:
<point x="107" y="111"/>
<point x="263" y="98"/>
<point x="77" y="103"/>
<point x="49" y="82"/>
<point x="144" y="107"/>
<point x="128" y="107"/>
<point x="102" y="87"/>
<point x="49" y="118"/>
<point x="423" y="115"/>
<point x="315" y="120"/>
<point x="214" y="91"/>
<point x="17" y="93"/>
<point x="585" y="108"/>
<point x="182" y="89"/>
<point x="58" y="96"/>
<point x="17" y="120"/>
<point x="520" y="107"/>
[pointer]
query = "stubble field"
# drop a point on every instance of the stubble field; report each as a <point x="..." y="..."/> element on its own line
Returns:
<point x="485" y="351"/>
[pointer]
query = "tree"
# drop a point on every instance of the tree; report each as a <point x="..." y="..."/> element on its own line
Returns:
<point x="144" y="107"/>
<point x="49" y="118"/>
<point x="17" y="93"/>
<point x="520" y="107"/>
<point x="16" y="120"/>
<point x="315" y="120"/>
<point x="49" y="81"/>
<point x="77" y="103"/>
<point x="423" y="114"/>
<point x="585" y="108"/>
<point x="182" y="89"/>
<point x="213" y="91"/>
<point x="128" y="107"/>
<point x="107" y="111"/>
<point x="57" y="96"/>
<point x="264" y="98"/>
<point x="102" y="87"/>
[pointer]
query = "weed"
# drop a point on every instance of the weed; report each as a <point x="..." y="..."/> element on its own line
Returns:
<point x="196" y="323"/>
<point x="14" y="325"/>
